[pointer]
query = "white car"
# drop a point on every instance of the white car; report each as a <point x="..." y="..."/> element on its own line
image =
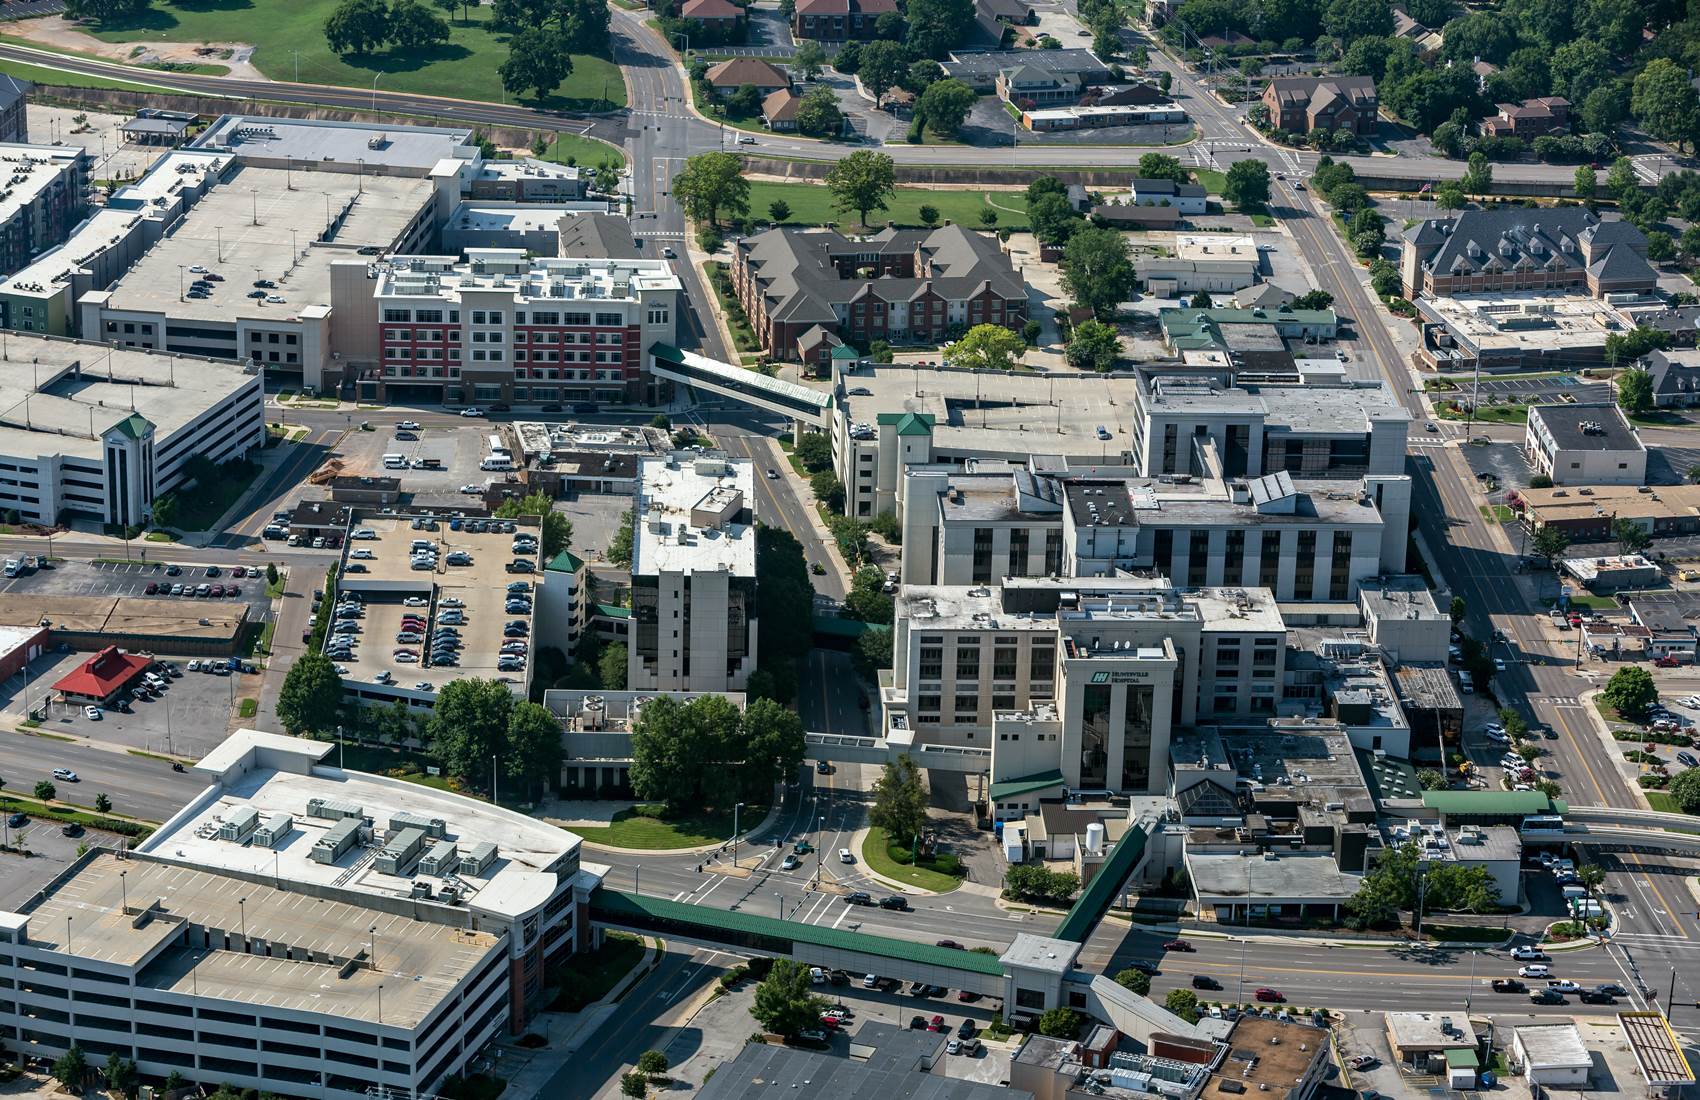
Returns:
<point x="65" y="775"/>
<point x="1499" y="664"/>
<point x="1494" y="727"/>
<point x="789" y="864"/>
<point x="472" y="490"/>
<point x="197" y="269"/>
<point x="93" y="714"/>
<point x="1526" y="951"/>
<point x="408" y="426"/>
<point x="274" y="299"/>
<point x="364" y="533"/>
<point x="363" y="554"/>
<point x="844" y="856"/>
<point x="1497" y="737"/>
<point x="1564" y="985"/>
<point x="415" y="601"/>
<point x="474" y="411"/>
<point x="1534" y="970"/>
<point x="746" y="141"/>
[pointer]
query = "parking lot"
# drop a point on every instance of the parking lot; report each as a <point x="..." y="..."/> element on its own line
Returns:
<point x="75" y="578"/>
<point x="458" y="449"/>
<point x="595" y="519"/>
<point x="1560" y="387"/>
<point x="50" y="852"/>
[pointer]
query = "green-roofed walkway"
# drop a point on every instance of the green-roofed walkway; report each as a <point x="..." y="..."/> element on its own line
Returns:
<point x="814" y="944"/>
<point x="1095" y="900"/>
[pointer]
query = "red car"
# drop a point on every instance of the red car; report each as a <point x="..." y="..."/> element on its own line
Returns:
<point x="1264" y="993"/>
<point x="829" y="1021"/>
<point x="152" y="588"/>
<point x="1177" y="945"/>
<point x="1666" y="662"/>
<point x="936" y="1024"/>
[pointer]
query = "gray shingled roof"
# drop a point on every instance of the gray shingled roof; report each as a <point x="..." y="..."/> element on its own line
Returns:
<point x="1509" y="238"/>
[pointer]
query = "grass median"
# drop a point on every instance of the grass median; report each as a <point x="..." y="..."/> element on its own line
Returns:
<point x="939" y="873"/>
<point x="650" y="827"/>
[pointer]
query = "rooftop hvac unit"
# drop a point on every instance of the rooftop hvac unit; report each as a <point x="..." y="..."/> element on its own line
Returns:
<point x="477" y="861"/>
<point x="338" y="839"/>
<point x="442" y="858"/>
<point x="239" y="824"/>
<point x="272" y="832"/>
<point x="331" y="809"/>
<point x="431" y="826"/>
<point x="399" y="851"/>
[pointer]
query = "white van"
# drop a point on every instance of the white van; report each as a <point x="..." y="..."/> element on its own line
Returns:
<point x="395" y="462"/>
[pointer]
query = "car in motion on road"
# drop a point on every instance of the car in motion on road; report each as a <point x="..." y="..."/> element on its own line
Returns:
<point x="1534" y="970"/>
<point x="1508" y="985"/>
<point x="1528" y="953"/>
<point x="65" y="775"/>
<point x="860" y="897"/>
<point x="894" y="901"/>
<point x="473" y="411"/>
<point x="1546" y="997"/>
<point x="1264" y="993"/>
<point x="1205" y="981"/>
<point x="1178" y="945"/>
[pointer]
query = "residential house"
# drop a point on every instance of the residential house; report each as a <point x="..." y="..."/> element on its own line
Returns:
<point x="1676" y="377"/>
<point x="1428" y="42"/>
<point x="1131" y="216"/>
<point x="1188" y="198"/>
<point x="728" y="76"/>
<point x="899" y="285"/>
<point x="1030" y="86"/>
<point x="838" y="20"/>
<point x="720" y="15"/>
<point x="1530" y="119"/>
<point x="1300" y="104"/>
<point x="1514" y="248"/>
<point x="779" y="110"/>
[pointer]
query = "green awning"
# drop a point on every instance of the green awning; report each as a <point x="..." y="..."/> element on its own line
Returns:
<point x="1464" y="1058"/>
<point x="1027" y="784"/>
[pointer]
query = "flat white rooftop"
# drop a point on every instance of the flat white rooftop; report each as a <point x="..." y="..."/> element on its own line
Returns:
<point x="670" y="535"/>
<point x="1531" y="321"/>
<point x="277" y="775"/>
<point x="70" y="412"/>
<point x="413" y="149"/>
<point x="565" y="282"/>
<point x="29" y="169"/>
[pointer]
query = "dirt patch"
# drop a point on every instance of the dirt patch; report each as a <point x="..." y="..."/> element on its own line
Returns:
<point x="65" y="34"/>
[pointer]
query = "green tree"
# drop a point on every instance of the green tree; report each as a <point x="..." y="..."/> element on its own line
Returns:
<point x="1183" y="1003"/>
<point x="921" y="75"/>
<point x="357" y="26"/>
<point x="1376" y="903"/>
<point x="1630" y="692"/>
<point x="1487" y="35"/>
<point x="1348" y="20"/>
<point x="1093" y="346"/>
<point x="1161" y="166"/>
<point x="120" y="1074"/>
<point x="1685" y="790"/>
<point x="537" y="61"/>
<point x="1430" y="780"/>
<point x="884" y="65"/>
<point x="557" y="528"/>
<point x="744" y="103"/>
<point x="784" y="1003"/>
<point x="1631" y="537"/>
<point x="900" y="800"/>
<point x="620" y="547"/>
<point x="164" y="511"/>
<point x="105" y="10"/>
<point x="1664" y="102"/>
<point x="1586" y="182"/>
<point x="1606" y="107"/>
<point x="778" y="210"/>
<point x="929" y="215"/>
<point x="1549" y="543"/>
<point x="1635" y="391"/>
<point x="311" y="693"/>
<point x="867" y="599"/>
<point x="102" y="804"/>
<point x="271" y="573"/>
<point x="45" y="791"/>
<point x="818" y="115"/>
<point x="1097" y="270"/>
<point x="1036" y="883"/>
<point x="1457" y="888"/>
<point x="1201" y="300"/>
<point x="1060" y="1023"/>
<point x="1450" y="196"/>
<point x="944" y="105"/>
<point x="468" y="728"/>
<point x="1247" y="183"/>
<point x="809" y="60"/>
<point x="862" y="181"/>
<point x="1457" y="610"/>
<point x="828" y="490"/>
<point x="1315" y="299"/>
<point x="413" y="26"/>
<point x="987" y="347"/>
<point x="710" y="183"/>
<point x="652" y="1062"/>
<point x="772" y="744"/>
<point x="634" y="1084"/>
<point x="1136" y="980"/>
<point x="937" y="25"/>
<point x="1478" y="178"/>
<point x="531" y="755"/>
<point x="988" y="217"/>
<point x="72" y="1068"/>
<point x="611" y="666"/>
<point x="1578" y="68"/>
<point x="814" y="451"/>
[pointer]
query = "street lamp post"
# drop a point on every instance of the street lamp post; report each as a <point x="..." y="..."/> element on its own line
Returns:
<point x="635" y="871"/>
<point x="735" y="808"/>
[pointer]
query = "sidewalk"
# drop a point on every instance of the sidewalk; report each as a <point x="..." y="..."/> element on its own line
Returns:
<point x="566" y="1032"/>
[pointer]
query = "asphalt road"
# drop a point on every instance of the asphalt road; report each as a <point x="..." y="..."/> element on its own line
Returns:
<point x="139" y="786"/>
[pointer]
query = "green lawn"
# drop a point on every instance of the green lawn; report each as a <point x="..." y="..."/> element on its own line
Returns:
<point x="585" y="151"/>
<point x="743" y="336"/>
<point x="1212" y="180"/>
<point x="938" y="874"/>
<point x="42" y="75"/>
<point x="1496" y="513"/>
<point x="644" y="826"/>
<point x="464" y="67"/>
<point x="1487" y="414"/>
<point x="811" y="204"/>
<point x="1662" y="802"/>
<point x="593" y="973"/>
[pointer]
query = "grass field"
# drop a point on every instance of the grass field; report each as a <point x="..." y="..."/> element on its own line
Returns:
<point x="1496" y="513"/>
<point x="934" y="874"/>
<point x="1212" y="180"/>
<point x="643" y="826"/>
<point x="582" y="151"/>
<point x="811" y="204"/>
<point x="41" y="75"/>
<point x="1488" y="414"/>
<point x="287" y="32"/>
<point x="594" y="973"/>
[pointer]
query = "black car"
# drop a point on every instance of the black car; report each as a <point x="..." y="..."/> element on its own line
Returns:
<point x="1144" y="966"/>
<point x="1611" y="988"/>
<point x="1546" y="997"/>
<point x="966" y="1031"/>
<point x="918" y="1023"/>
<point x="1508" y="985"/>
<point x="860" y="897"/>
<point x="1595" y="997"/>
<point x="173" y="570"/>
<point x="895" y="901"/>
<point x="1205" y="981"/>
<point x="73" y="829"/>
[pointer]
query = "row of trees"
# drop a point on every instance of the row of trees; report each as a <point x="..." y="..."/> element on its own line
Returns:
<point x="1392" y="885"/>
<point x="361" y="26"/>
<point x="706" y="753"/>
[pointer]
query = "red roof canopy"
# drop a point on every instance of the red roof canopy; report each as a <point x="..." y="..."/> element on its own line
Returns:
<point x="103" y="674"/>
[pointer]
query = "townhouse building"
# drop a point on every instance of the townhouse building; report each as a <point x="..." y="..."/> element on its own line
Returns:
<point x="1516" y="249"/>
